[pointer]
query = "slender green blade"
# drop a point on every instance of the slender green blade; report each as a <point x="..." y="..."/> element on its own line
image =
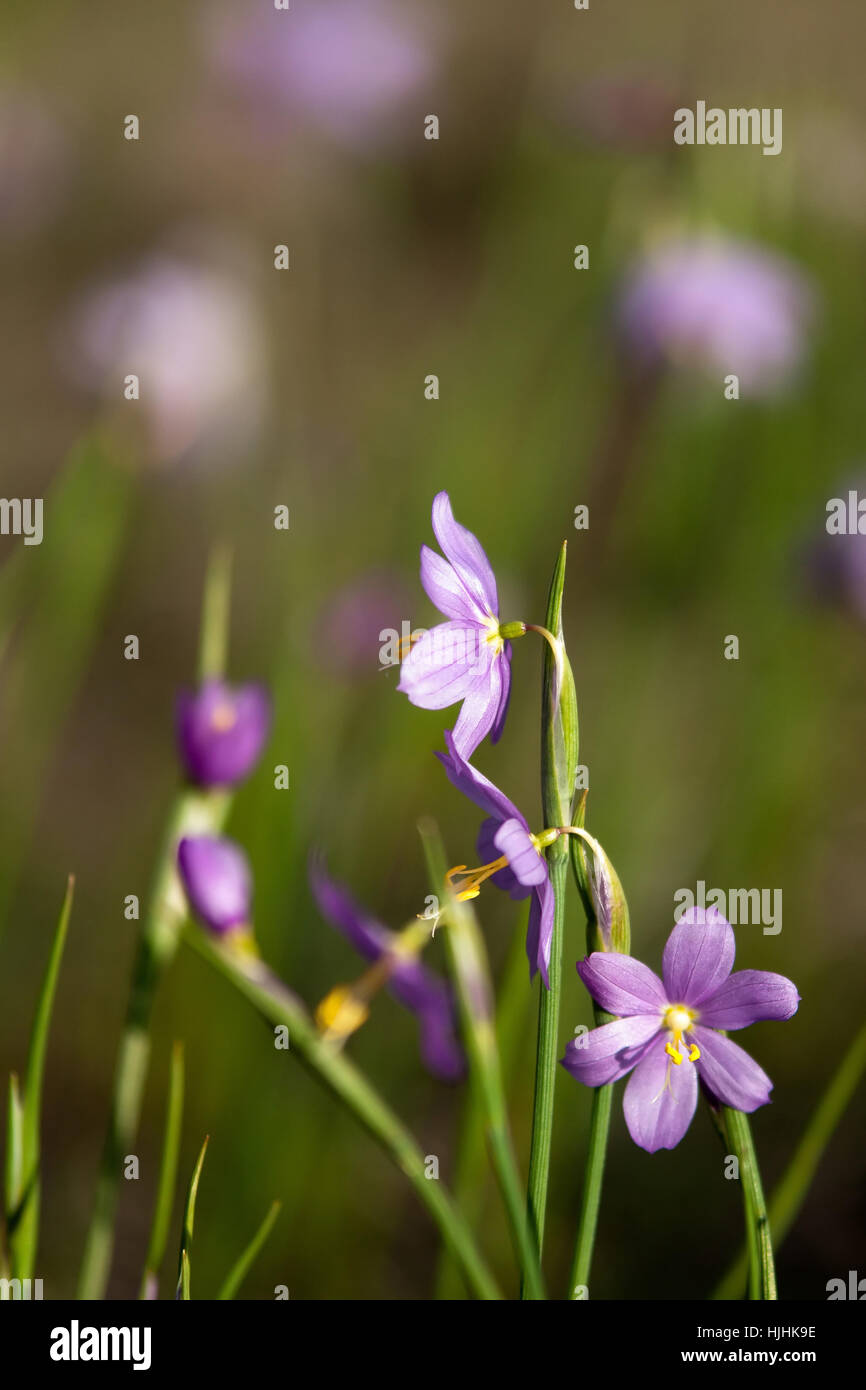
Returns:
<point x="167" y="1176"/>
<point x="183" y="1263"/>
<point x="14" y="1165"/>
<point x="239" y="1271"/>
<point x="793" y="1187"/>
<point x="24" y="1238"/>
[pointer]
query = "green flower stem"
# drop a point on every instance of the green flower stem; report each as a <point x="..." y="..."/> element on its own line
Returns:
<point x="546" y="1057"/>
<point x="602" y="1100"/>
<point x="790" y="1194"/>
<point x="194" y="813"/>
<point x="167" y="1176"/>
<point x="278" y="1006"/>
<point x="471" y="971"/>
<point x="762" y="1272"/>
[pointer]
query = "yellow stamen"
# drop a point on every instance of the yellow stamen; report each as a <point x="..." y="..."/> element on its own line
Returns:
<point x="679" y="1020"/>
<point x="341" y="1012"/>
<point x="694" y="1052"/>
<point x="673" y="1053"/>
<point x="471" y="880"/>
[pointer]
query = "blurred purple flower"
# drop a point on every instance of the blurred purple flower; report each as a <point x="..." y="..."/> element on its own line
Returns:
<point x="834" y="565"/>
<point x="465" y="658"/>
<point x="408" y="980"/>
<point x="727" y="306"/>
<point x="350" y="625"/>
<point x="667" y="1032"/>
<point x="349" y="66"/>
<point x="217" y="880"/>
<point x="221" y="731"/>
<point x="510" y="856"/>
<point x="193" y="337"/>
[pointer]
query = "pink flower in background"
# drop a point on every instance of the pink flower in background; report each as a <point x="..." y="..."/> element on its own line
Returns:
<point x="727" y="306"/>
<point x="354" y="622"/>
<point x="193" y="337"/>
<point x="348" y="66"/>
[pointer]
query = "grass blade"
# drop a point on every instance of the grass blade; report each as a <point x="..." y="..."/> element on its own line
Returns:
<point x="793" y="1187"/>
<point x="183" y="1264"/>
<point x="167" y="1176"/>
<point x="238" y="1273"/>
<point x="14" y="1166"/>
<point x="24" y="1234"/>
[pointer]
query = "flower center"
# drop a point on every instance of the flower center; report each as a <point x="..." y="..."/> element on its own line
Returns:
<point x="494" y="636"/>
<point x="466" y="883"/>
<point x="678" y="1019"/>
<point x="223" y="718"/>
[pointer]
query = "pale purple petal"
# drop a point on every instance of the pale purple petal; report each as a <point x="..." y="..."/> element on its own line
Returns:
<point x="513" y="840"/>
<point x="698" y="957"/>
<point x="466" y="554"/>
<point x="609" y="1052"/>
<point x="448" y="664"/>
<point x="480" y="708"/>
<point x="368" y="936"/>
<point x="622" y="985"/>
<point x="750" y="996"/>
<point x="440" y="1048"/>
<point x="660" y="1099"/>
<point x="729" y="1072"/>
<point x="505" y="693"/>
<point x="217" y="880"/>
<point x="539" y="933"/>
<point x="488" y="851"/>
<point x="446" y="589"/>
<point x="472" y="783"/>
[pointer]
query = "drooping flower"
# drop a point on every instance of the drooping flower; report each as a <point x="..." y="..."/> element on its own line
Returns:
<point x="396" y="968"/>
<point x="217" y="880"/>
<point x="511" y="855"/>
<point x="221" y="730"/>
<point x="666" y="1032"/>
<point x="719" y="304"/>
<point x="468" y="657"/>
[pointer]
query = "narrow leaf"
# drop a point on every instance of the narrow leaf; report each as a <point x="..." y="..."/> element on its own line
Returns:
<point x="167" y="1176"/>
<point x="188" y="1222"/>
<point x="238" y="1273"/>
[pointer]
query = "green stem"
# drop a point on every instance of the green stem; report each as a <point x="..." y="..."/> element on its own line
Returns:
<point x="546" y="1057"/>
<point x="270" y="997"/>
<point x="602" y="1100"/>
<point x="762" y="1272"/>
<point x="193" y="812"/>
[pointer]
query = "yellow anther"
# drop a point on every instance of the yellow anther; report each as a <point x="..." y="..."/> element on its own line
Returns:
<point x="341" y="1012"/>
<point x="694" y="1052"/>
<point x="466" y="883"/>
<point x="672" y="1051"/>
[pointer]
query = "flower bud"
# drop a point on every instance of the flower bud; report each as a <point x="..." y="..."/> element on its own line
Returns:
<point x="216" y="876"/>
<point x="221" y="731"/>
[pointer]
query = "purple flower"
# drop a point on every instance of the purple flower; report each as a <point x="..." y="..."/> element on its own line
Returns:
<point x="221" y="731"/>
<point x="667" y="1032"/>
<point x="466" y="658"/>
<point x="349" y="66"/>
<point x="834" y="563"/>
<point x="406" y="978"/>
<point x="726" y="305"/>
<point x="217" y="880"/>
<point x="512" y="858"/>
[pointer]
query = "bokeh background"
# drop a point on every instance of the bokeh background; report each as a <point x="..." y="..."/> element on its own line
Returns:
<point x="306" y="388"/>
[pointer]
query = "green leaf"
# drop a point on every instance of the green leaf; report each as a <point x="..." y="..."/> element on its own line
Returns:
<point x="238" y="1273"/>
<point x="167" y="1176"/>
<point x="793" y="1187"/>
<point x="24" y="1234"/>
<point x="560" y="739"/>
<point x="183" y="1266"/>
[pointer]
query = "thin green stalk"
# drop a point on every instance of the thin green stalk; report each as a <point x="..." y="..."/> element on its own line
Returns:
<point x="762" y="1272"/>
<point x="183" y="1264"/>
<point x="602" y="1100"/>
<point x="791" y="1191"/>
<point x="241" y="1268"/>
<point x="194" y="812"/>
<point x="167" y="1177"/>
<point x="465" y="946"/>
<point x="471" y="1168"/>
<point x="547" y="1054"/>
<point x="13" y="1170"/>
<point x="23" y="1222"/>
<point x="278" y="1006"/>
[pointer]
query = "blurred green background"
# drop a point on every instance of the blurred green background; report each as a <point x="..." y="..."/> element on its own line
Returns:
<point x="411" y="257"/>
